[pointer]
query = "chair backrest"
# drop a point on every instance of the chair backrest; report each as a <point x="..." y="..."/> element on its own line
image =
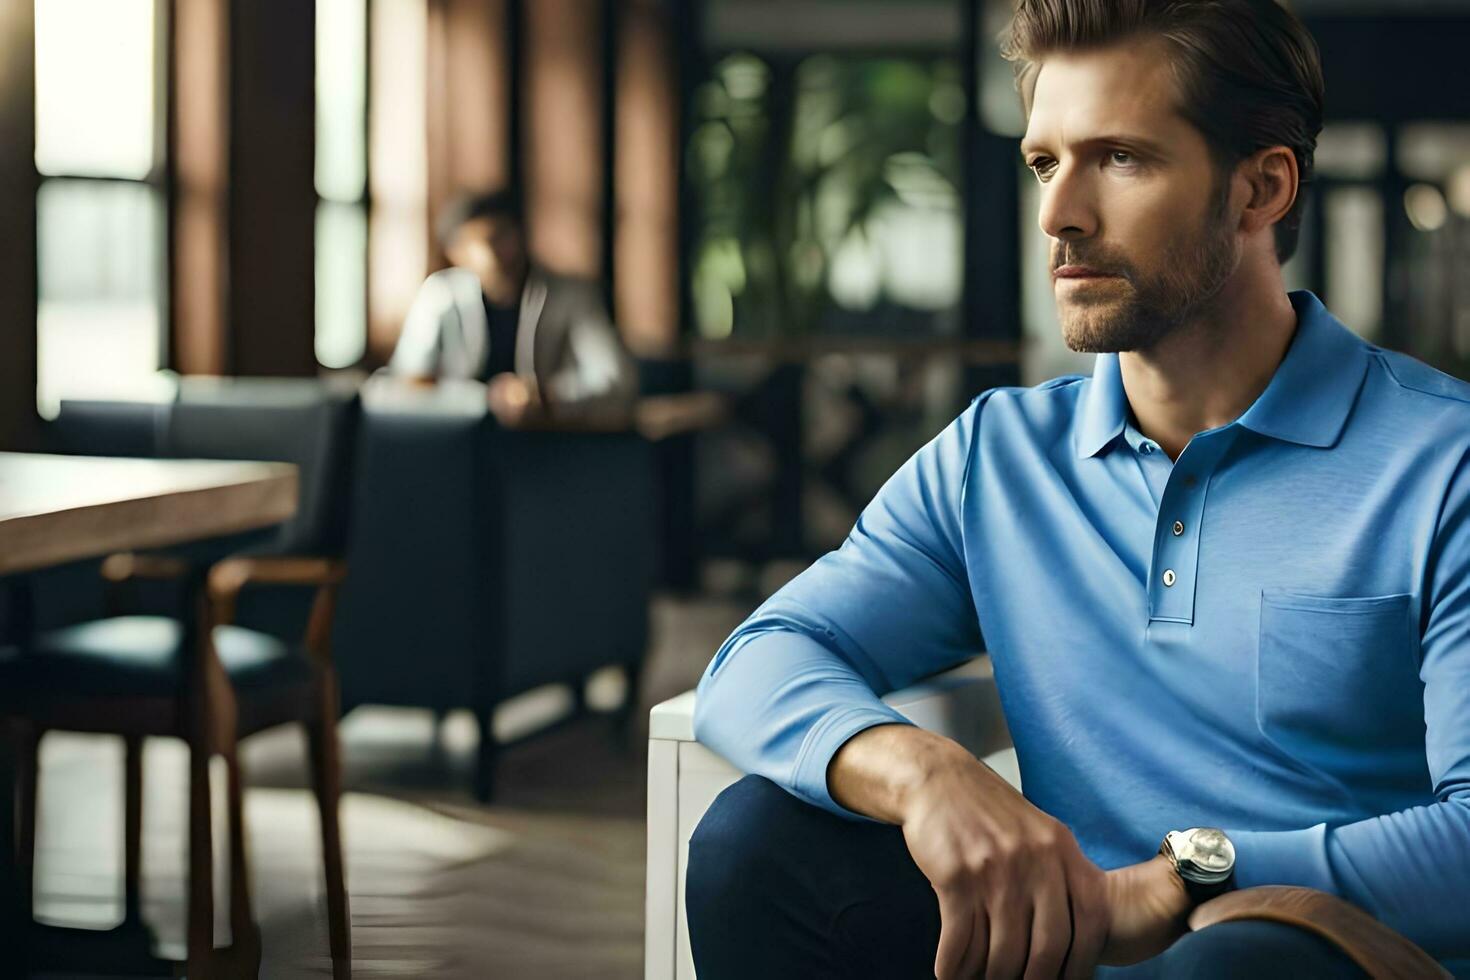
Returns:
<point x="108" y="428"/>
<point x="497" y="560"/>
<point x="417" y="615"/>
<point x="305" y="421"/>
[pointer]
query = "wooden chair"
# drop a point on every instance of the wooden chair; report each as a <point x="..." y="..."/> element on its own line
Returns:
<point x="139" y="676"/>
<point x="203" y="677"/>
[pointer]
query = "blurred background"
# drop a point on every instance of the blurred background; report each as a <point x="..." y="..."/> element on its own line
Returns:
<point x="812" y="210"/>
<point x="816" y="206"/>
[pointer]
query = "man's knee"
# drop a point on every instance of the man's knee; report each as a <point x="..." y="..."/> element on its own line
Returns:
<point x="776" y="887"/>
<point x="740" y="843"/>
<point x="751" y="909"/>
<point x="1254" y="948"/>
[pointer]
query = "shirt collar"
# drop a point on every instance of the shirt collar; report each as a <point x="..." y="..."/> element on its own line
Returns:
<point x="1307" y="402"/>
<point x="1103" y="408"/>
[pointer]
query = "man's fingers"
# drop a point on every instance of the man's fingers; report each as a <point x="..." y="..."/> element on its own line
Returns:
<point x="1089" y="929"/>
<point x="956" y="920"/>
<point x="1088" y="940"/>
<point x="973" y="964"/>
<point x="1010" y="935"/>
<point x="1051" y="931"/>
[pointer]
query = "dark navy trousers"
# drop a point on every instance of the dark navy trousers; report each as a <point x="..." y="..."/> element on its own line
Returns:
<point x="779" y="888"/>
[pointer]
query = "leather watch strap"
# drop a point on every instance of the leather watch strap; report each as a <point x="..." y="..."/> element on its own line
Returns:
<point x="1199" y="893"/>
<point x="1381" y="952"/>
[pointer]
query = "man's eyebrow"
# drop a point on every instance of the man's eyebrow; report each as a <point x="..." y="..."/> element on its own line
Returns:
<point x="1108" y="139"/>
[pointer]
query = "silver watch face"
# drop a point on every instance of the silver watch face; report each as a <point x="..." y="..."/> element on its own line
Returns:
<point x="1208" y="850"/>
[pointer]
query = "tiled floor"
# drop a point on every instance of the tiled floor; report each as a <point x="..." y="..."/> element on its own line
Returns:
<point x="546" y="882"/>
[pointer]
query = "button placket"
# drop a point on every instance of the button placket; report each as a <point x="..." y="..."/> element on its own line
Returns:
<point x="1175" y="553"/>
<point x="1177" y="532"/>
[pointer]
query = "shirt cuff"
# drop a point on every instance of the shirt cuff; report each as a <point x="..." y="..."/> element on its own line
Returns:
<point x="1283" y="857"/>
<point x="822" y="743"/>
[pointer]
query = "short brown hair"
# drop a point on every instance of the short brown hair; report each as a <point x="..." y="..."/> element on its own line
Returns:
<point x="1249" y="73"/>
<point x="471" y="206"/>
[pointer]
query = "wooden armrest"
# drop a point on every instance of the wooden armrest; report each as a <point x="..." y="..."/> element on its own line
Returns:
<point x="127" y="565"/>
<point x="1375" y="947"/>
<point x="654" y="417"/>
<point x="547" y="420"/>
<point x="229" y="576"/>
<point x="659" y="417"/>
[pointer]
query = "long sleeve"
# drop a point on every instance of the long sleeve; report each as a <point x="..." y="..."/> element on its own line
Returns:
<point x="418" y="351"/>
<point x="1410" y="869"/>
<point x="807" y="670"/>
<point x="598" y="378"/>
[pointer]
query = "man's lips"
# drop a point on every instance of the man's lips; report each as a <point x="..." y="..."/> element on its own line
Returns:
<point x="1081" y="272"/>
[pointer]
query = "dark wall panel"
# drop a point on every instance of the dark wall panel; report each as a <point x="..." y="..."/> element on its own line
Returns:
<point x="18" y="218"/>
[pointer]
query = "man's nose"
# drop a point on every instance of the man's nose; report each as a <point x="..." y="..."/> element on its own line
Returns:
<point x="1068" y="210"/>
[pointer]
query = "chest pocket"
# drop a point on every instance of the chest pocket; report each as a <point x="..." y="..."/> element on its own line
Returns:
<point x="1337" y="686"/>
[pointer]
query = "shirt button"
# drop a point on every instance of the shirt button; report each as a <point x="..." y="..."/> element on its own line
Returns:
<point x="1146" y="448"/>
<point x="1169" y="578"/>
<point x="1178" y="528"/>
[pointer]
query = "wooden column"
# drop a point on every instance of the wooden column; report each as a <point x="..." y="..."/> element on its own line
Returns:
<point x="992" y="290"/>
<point x="469" y="98"/>
<point x="565" y="146"/>
<point x="646" y="197"/>
<point x="18" y="185"/>
<point x="272" y="296"/>
<point x="241" y="136"/>
<point x="198" y="126"/>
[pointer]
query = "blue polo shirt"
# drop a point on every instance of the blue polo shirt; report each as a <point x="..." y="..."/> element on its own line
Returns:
<point x="1269" y="635"/>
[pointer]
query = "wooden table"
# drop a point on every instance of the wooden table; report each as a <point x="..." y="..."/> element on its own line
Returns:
<point x="58" y="509"/>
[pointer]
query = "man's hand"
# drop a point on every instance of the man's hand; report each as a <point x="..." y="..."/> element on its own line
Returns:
<point x="1017" y="897"/>
<point x="1149" y="909"/>
<point x="513" y="399"/>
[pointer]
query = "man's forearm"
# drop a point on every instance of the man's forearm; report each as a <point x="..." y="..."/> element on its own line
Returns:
<point x="877" y="771"/>
<point x="1407" y="869"/>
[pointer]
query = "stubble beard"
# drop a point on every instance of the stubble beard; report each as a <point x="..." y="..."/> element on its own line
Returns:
<point x="1152" y="306"/>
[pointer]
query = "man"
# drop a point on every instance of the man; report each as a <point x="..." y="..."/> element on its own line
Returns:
<point x="1224" y="583"/>
<point x="543" y="344"/>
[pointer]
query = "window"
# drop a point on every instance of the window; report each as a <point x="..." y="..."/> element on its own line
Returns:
<point x="341" y="182"/>
<point x="829" y="196"/>
<point x="100" y="207"/>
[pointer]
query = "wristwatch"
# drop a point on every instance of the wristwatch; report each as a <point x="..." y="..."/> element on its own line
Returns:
<point x="1204" y="859"/>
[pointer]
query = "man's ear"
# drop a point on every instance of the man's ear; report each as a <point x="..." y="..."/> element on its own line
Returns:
<point x="1273" y="182"/>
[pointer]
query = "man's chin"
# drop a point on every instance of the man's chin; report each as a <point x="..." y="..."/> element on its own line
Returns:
<point x="1095" y="328"/>
<point x="1093" y="345"/>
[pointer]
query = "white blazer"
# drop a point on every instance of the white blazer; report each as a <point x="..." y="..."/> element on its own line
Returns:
<point x="564" y="340"/>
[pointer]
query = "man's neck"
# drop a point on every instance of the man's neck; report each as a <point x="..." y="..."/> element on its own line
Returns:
<point x="1209" y="371"/>
<point x="506" y="293"/>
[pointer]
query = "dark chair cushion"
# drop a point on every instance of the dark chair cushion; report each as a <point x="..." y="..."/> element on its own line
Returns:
<point x="139" y="656"/>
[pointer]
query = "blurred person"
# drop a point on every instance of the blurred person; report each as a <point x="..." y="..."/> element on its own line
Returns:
<point x="1224" y="584"/>
<point x="542" y="343"/>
